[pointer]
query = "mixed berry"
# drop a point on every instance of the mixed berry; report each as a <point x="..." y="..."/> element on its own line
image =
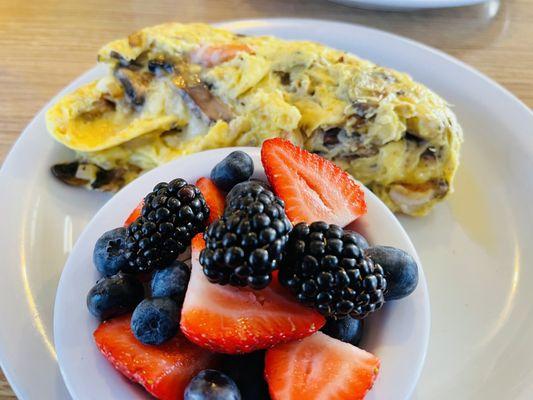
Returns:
<point x="170" y="216"/>
<point x="246" y="245"/>
<point x="326" y="269"/>
<point x="274" y="284"/>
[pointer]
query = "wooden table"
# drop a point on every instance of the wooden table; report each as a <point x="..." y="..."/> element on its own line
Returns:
<point x="46" y="44"/>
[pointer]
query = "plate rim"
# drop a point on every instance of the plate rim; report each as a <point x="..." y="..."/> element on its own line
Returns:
<point x="28" y="133"/>
<point x="408" y="5"/>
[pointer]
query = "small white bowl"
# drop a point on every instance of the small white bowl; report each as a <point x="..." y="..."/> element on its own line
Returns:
<point x="398" y="334"/>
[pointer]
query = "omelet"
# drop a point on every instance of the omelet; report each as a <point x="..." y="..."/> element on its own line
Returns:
<point x="176" y="89"/>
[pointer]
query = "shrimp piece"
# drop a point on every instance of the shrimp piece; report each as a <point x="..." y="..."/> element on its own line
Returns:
<point x="212" y="55"/>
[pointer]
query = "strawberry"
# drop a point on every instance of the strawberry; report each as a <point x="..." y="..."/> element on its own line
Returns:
<point x="216" y="201"/>
<point x="229" y="319"/>
<point x="136" y="213"/>
<point x="163" y="370"/>
<point x="319" y="367"/>
<point x="313" y="188"/>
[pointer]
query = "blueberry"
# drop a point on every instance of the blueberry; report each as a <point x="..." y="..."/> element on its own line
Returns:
<point x="114" y="296"/>
<point x="349" y="330"/>
<point x="357" y="239"/>
<point x="171" y="281"/>
<point x="108" y="254"/>
<point x="236" y="167"/>
<point x="211" y="384"/>
<point x="247" y="371"/>
<point x="155" y="320"/>
<point x="401" y="270"/>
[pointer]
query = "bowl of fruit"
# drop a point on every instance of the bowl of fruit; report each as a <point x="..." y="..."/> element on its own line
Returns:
<point x="243" y="273"/>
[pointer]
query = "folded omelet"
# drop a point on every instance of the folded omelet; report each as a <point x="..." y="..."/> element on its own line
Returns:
<point x="175" y="89"/>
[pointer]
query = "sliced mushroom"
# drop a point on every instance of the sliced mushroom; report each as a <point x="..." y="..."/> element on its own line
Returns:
<point x="284" y="77"/>
<point x="89" y="176"/>
<point x="202" y="102"/>
<point x="331" y="137"/>
<point x="413" y="138"/>
<point x="135" y="84"/>
<point x="359" y="114"/>
<point x="411" y="197"/>
<point x="338" y="143"/>
<point x="159" y="66"/>
<point x="98" y="108"/>
<point x="430" y="154"/>
<point x="124" y="62"/>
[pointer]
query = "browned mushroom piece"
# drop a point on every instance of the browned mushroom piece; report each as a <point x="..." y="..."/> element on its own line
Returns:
<point x="89" y="176"/>
<point x="135" y="84"/>
<point x="331" y="137"/>
<point x="205" y="104"/>
<point x="361" y="114"/>
<point x="284" y="77"/>
<point x="124" y="62"/>
<point x="341" y="144"/>
<point x="159" y="66"/>
<point x="430" y="153"/>
<point x="98" y="108"/>
<point x="415" y="139"/>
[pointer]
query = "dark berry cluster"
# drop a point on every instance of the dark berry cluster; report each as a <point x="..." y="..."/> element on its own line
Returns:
<point x="325" y="268"/>
<point x="246" y="193"/>
<point x="248" y="242"/>
<point x="172" y="214"/>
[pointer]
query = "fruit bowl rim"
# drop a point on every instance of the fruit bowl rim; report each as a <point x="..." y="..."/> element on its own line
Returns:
<point x="70" y="352"/>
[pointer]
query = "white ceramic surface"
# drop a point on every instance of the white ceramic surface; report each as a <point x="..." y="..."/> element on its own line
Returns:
<point x="398" y="334"/>
<point x="475" y="247"/>
<point x="408" y="5"/>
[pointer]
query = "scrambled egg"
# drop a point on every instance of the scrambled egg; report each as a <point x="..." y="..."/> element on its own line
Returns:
<point x="176" y="89"/>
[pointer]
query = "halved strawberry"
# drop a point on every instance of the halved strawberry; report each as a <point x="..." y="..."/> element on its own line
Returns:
<point x="136" y="213"/>
<point x="216" y="201"/>
<point x="233" y="320"/>
<point x="319" y="367"/>
<point x="163" y="370"/>
<point x="313" y="188"/>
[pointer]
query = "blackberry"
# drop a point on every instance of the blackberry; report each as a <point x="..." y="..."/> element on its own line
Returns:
<point x="245" y="193"/>
<point x="172" y="214"/>
<point x="325" y="268"/>
<point x="247" y="243"/>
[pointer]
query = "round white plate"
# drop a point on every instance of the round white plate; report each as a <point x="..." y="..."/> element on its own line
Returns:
<point x="398" y="334"/>
<point x="408" y="5"/>
<point x="475" y="247"/>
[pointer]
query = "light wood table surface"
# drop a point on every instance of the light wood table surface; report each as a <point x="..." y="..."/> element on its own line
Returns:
<point x="46" y="44"/>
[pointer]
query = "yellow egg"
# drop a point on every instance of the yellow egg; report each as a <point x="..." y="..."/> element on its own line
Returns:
<point x="175" y="89"/>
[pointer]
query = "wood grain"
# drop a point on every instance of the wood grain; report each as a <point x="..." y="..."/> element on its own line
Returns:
<point x="46" y="44"/>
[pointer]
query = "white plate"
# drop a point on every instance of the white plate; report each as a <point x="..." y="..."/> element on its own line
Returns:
<point x="408" y="5"/>
<point x="475" y="247"/>
<point x="398" y="334"/>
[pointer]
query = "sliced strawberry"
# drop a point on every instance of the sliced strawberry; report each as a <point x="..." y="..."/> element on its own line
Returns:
<point x="136" y="213"/>
<point x="313" y="188"/>
<point x="216" y="201"/>
<point x="319" y="367"/>
<point x="163" y="370"/>
<point x="232" y="320"/>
